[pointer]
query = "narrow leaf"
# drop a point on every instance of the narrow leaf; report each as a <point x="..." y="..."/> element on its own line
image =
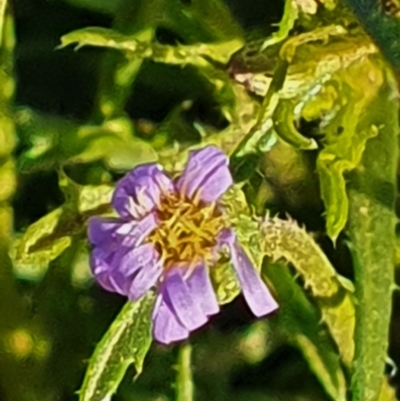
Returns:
<point x="284" y="239"/>
<point x="126" y="342"/>
<point x="196" y="54"/>
<point x="299" y="320"/>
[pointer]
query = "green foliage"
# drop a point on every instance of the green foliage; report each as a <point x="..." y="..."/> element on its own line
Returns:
<point x="126" y="342"/>
<point x="63" y="143"/>
<point x="136" y="49"/>
<point x="290" y="15"/>
<point x="286" y="240"/>
<point x="297" y="320"/>
<point x="310" y="134"/>
<point x="346" y="138"/>
<point x="248" y="234"/>
<point x="49" y="237"/>
<point x="196" y="54"/>
<point x="325" y="83"/>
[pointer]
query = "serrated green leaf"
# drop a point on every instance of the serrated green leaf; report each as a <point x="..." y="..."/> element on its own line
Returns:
<point x="126" y="342"/>
<point x="343" y="65"/>
<point x="246" y="229"/>
<point x="285" y="240"/>
<point x="248" y="234"/>
<point x="345" y="139"/>
<point x="224" y="281"/>
<point x="245" y="226"/>
<point x="299" y="320"/>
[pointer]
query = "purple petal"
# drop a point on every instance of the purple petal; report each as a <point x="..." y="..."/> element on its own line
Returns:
<point x="202" y="291"/>
<point x="166" y="328"/>
<point x="103" y="268"/>
<point x="111" y="233"/>
<point x="255" y="292"/>
<point x="128" y="264"/>
<point x="148" y="266"/>
<point x="133" y="259"/>
<point x="102" y="232"/>
<point x="130" y="272"/>
<point x="176" y="290"/>
<point x="206" y="175"/>
<point x="139" y="191"/>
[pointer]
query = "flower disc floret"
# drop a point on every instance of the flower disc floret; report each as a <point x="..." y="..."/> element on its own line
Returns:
<point x="187" y="231"/>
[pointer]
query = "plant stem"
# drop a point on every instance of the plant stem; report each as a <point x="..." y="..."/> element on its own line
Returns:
<point x="184" y="381"/>
<point x="372" y="192"/>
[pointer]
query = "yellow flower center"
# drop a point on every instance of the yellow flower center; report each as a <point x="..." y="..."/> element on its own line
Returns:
<point x="187" y="231"/>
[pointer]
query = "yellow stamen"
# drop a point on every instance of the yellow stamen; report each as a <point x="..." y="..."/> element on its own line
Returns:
<point x="187" y="231"/>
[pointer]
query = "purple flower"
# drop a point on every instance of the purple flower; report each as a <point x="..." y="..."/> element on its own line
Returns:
<point x="169" y="234"/>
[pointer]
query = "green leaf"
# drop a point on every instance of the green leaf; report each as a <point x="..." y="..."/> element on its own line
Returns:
<point x="33" y="252"/>
<point x="224" y="281"/>
<point x="205" y="21"/>
<point x="52" y="142"/>
<point x="284" y="239"/>
<point x="50" y="236"/>
<point x="140" y="46"/>
<point x="345" y="138"/>
<point x="246" y="227"/>
<point x="113" y="143"/>
<point x="199" y="20"/>
<point x="126" y="342"/>
<point x="196" y="54"/>
<point x="299" y="321"/>
<point x="290" y="15"/>
<point x="49" y="140"/>
<point x="284" y="127"/>
<point x="247" y="232"/>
